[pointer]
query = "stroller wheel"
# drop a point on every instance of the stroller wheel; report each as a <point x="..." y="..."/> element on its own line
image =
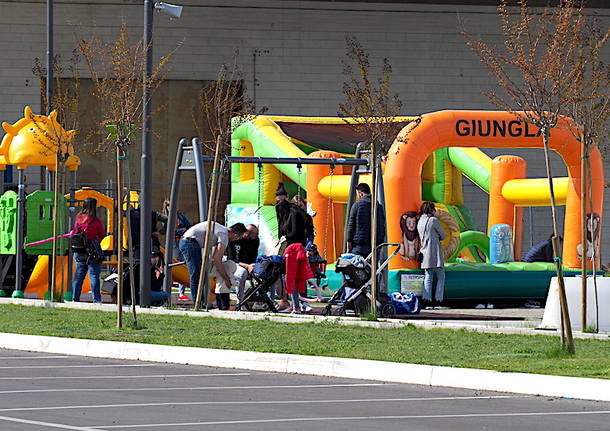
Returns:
<point x="326" y="311"/>
<point x="387" y="311"/>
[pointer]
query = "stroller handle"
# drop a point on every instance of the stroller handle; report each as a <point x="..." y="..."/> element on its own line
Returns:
<point x="388" y="244"/>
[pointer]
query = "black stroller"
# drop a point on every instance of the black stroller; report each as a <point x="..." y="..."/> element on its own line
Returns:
<point x="355" y="291"/>
<point x="267" y="270"/>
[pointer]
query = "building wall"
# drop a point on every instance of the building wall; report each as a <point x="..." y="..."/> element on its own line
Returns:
<point x="294" y="47"/>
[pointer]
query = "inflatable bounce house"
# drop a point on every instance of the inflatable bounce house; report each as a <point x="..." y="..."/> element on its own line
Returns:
<point x="427" y="162"/>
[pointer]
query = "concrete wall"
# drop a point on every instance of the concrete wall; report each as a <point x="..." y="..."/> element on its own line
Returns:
<point x="297" y="47"/>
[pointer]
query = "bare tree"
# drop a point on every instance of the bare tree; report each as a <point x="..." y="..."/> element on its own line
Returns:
<point x="532" y="68"/>
<point x="371" y="109"/>
<point x="56" y="141"/>
<point x="117" y="71"/>
<point x="589" y="107"/>
<point x="222" y="107"/>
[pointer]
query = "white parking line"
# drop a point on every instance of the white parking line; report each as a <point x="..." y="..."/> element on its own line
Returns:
<point x="273" y="402"/>
<point x="46" y="424"/>
<point x="21" y="367"/>
<point x="357" y="418"/>
<point x="195" y="388"/>
<point x="36" y="357"/>
<point x="152" y="376"/>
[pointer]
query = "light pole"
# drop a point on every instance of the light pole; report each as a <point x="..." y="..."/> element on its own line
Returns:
<point x="50" y="62"/>
<point x="146" y="159"/>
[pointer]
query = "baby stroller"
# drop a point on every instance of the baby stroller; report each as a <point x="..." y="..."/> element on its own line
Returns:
<point x="267" y="270"/>
<point x="354" y="293"/>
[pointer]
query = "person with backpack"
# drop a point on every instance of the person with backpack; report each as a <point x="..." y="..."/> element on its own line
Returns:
<point x="85" y="241"/>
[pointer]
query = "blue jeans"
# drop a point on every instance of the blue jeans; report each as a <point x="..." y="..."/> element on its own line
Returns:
<point x="157" y="298"/>
<point x="429" y="274"/>
<point x="178" y="256"/>
<point x="192" y="256"/>
<point x="80" y="274"/>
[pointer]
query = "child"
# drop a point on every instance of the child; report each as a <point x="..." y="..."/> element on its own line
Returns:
<point x="222" y="291"/>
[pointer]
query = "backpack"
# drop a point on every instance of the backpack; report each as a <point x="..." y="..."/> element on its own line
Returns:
<point x="79" y="242"/>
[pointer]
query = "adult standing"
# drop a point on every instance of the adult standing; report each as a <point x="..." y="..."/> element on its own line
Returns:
<point x="192" y="242"/>
<point x="431" y="234"/>
<point x="359" y="223"/>
<point x="299" y="201"/>
<point x="89" y="257"/>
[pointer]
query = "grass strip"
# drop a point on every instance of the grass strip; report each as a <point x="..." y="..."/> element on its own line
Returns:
<point x="445" y="347"/>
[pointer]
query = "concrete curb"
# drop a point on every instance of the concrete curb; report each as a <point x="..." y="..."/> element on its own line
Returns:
<point x="521" y="383"/>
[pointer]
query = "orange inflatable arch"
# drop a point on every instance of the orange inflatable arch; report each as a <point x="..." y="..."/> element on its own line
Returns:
<point x="485" y="129"/>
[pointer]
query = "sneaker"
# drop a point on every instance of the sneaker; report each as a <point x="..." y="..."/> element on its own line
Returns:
<point x="183" y="298"/>
<point x="305" y="307"/>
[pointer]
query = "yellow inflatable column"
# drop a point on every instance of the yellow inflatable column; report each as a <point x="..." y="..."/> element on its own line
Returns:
<point x="501" y="211"/>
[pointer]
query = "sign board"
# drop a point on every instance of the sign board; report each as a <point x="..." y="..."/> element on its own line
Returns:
<point x="412" y="283"/>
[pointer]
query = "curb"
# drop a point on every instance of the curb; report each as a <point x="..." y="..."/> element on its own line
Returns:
<point x="391" y="372"/>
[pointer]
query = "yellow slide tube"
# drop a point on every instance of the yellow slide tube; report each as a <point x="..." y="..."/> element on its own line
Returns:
<point x="535" y="191"/>
<point x="337" y="187"/>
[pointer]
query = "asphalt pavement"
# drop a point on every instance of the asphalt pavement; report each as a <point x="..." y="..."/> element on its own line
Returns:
<point x="45" y="391"/>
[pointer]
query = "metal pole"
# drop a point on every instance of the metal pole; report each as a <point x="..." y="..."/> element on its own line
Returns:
<point x="351" y="197"/>
<point x="298" y="161"/>
<point x="18" y="293"/>
<point x="146" y="166"/>
<point x="374" y="228"/>
<point x="171" y="221"/>
<point x="583" y="230"/>
<point x="200" y="177"/>
<point x="50" y="62"/>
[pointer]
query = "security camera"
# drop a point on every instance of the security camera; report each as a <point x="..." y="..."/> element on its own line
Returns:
<point x="170" y="9"/>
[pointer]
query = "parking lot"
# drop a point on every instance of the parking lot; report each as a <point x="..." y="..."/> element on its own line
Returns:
<point x="43" y="391"/>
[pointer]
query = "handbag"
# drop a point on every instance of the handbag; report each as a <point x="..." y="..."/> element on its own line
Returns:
<point x="420" y="255"/>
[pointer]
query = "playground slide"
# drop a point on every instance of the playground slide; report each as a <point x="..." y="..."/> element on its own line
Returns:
<point x="476" y="166"/>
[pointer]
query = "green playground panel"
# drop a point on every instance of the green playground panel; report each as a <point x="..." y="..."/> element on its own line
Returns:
<point x="39" y="221"/>
<point x="8" y="223"/>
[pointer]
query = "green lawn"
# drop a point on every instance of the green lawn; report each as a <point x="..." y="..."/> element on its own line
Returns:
<point x="522" y="353"/>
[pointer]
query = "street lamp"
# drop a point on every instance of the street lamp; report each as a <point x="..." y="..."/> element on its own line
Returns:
<point x="146" y="160"/>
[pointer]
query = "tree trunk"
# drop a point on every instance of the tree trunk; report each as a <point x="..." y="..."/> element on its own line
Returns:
<point x="210" y="231"/>
<point x="52" y="284"/>
<point x="119" y="238"/>
<point x="566" y="328"/>
<point x="218" y="179"/>
<point x="132" y="283"/>
<point x="374" y="229"/>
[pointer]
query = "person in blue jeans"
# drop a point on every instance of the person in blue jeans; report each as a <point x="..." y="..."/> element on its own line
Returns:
<point x="89" y="259"/>
<point x="192" y="242"/>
